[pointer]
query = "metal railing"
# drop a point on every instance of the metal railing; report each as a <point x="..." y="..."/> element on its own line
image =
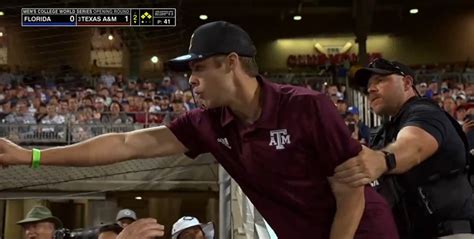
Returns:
<point x="362" y="103"/>
<point x="248" y="223"/>
<point x="466" y="77"/>
<point x="299" y="78"/>
<point x="315" y="77"/>
<point x="71" y="132"/>
<point x="60" y="133"/>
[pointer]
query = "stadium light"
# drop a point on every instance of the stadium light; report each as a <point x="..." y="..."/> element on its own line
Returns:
<point x="1" y="34"/>
<point x="2" y="13"/>
<point x="413" y="11"/>
<point x="297" y="17"/>
<point x="138" y="198"/>
<point x="203" y="17"/>
<point x="111" y="37"/>
<point x="154" y="60"/>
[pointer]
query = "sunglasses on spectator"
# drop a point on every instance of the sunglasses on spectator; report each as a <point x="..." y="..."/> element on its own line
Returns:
<point x="383" y="64"/>
<point x="380" y="63"/>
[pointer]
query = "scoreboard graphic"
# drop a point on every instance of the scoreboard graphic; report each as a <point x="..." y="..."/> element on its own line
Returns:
<point x="98" y="17"/>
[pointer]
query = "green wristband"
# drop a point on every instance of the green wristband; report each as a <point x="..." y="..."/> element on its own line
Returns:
<point x="35" y="163"/>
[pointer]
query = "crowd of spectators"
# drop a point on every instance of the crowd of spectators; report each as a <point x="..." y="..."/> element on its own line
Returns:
<point x="454" y="97"/>
<point x="113" y="100"/>
<point x="28" y="99"/>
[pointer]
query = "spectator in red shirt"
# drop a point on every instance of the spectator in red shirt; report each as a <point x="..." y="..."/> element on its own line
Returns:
<point x="148" y="114"/>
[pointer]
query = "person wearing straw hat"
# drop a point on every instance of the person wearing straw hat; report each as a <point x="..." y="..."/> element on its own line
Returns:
<point x="39" y="223"/>
<point x="190" y="228"/>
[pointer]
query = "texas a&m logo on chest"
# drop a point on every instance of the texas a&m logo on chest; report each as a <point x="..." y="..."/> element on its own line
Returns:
<point x="279" y="138"/>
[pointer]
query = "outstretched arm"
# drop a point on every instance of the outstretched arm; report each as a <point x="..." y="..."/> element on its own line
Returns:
<point x="100" y="150"/>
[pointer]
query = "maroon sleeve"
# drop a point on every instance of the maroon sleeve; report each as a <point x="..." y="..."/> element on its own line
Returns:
<point x="332" y="139"/>
<point x="184" y="128"/>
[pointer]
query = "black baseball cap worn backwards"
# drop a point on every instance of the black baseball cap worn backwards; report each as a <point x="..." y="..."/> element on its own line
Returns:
<point x="212" y="39"/>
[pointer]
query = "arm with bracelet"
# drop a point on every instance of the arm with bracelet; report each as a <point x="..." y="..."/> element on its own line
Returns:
<point x="35" y="162"/>
<point x="100" y="150"/>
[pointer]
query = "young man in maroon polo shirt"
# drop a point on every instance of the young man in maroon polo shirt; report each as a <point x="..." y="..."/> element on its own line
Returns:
<point x="280" y="143"/>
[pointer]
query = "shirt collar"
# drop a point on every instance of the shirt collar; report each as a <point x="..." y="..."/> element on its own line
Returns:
<point x="269" y="98"/>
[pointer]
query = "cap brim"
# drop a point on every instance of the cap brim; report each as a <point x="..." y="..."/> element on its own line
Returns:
<point x="362" y="76"/>
<point x="55" y="220"/>
<point x="126" y="217"/>
<point x="181" y="63"/>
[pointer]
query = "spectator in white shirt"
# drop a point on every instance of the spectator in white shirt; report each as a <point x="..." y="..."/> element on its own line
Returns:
<point x="21" y="115"/>
<point x="52" y="117"/>
<point x="99" y="104"/>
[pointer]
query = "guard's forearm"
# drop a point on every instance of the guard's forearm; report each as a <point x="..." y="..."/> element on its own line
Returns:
<point x="407" y="155"/>
<point x="104" y="149"/>
<point x="412" y="146"/>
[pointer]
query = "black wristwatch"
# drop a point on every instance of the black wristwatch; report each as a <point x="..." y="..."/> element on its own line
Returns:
<point x="390" y="160"/>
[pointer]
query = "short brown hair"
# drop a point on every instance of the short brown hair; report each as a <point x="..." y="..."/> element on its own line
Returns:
<point x="249" y="65"/>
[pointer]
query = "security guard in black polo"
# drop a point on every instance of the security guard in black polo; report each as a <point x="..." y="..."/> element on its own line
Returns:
<point x="421" y="154"/>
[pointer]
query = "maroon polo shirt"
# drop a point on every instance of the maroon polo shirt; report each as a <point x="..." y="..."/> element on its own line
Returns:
<point x="282" y="161"/>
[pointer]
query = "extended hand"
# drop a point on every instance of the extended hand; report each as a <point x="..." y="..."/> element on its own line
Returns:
<point x="145" y="228"/>
<point x="362" y="169"/>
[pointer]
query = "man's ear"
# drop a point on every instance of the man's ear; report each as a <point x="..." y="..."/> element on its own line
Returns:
<point x="232" y="61"/>
<point x="408" y="82"/>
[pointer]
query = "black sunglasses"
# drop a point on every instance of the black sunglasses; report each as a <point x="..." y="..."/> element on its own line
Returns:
<point x="383" y="64"/>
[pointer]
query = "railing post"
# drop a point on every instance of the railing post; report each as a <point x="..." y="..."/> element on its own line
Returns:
<point x="224" y="204"/>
